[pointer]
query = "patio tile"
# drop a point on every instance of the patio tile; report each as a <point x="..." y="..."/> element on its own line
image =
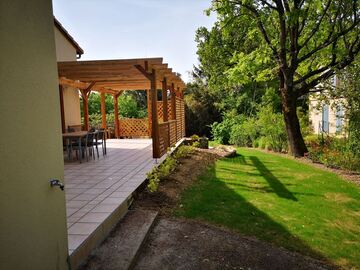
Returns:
<point x="83" y="228"/>
<point x="75" y="240"/>
<point x="75" y="190"/>
<point x="115" y="200"/>
<point x="119" y="194"/>
<point x="97" y="188"/>
<point x="94" y="217"/>
<point x="85" y="197"/>
<point x="105" y="208"/>
<point x="70" y="211"/>
<point x="96" y="191"/>
<point x="75" y="204"/>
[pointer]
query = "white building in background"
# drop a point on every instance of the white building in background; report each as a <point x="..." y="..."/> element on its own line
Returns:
<point x="327" y="117"/>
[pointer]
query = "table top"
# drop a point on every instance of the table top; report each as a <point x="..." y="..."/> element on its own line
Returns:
<point x="75" y="134"/>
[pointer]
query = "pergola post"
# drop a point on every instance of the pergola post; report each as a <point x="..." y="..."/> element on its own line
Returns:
<point x="165" y="101"/>
<point x="103" y="111"/>
<point x="154" y="115"/>
<point x="85" y="99"/>
<point x="149" y="110"/>
<point x="116" y="114"/>
<point x="62" y="110"/>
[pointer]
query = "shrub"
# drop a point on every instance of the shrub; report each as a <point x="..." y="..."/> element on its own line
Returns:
<point x="161" y="172"/>
<point x="272" y="127"/>
<point x="195" y="137"/>
<point x="244" y="134"/>
<point x="222" y="131"/>
<point x="332" y="152"/>
<point x="183" y="151"/>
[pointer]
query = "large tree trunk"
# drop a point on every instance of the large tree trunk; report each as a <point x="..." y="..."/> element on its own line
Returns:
<point x="296" y="142"/>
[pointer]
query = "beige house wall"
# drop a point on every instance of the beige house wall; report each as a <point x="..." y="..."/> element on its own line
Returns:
<point x="71" y="107"/>
<point x="65" y="51"/>
<point x="33" y="232"/>
<point x="315" y="114"/>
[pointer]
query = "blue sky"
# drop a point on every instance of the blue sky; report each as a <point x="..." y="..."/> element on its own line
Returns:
<point x="115" y="29"/>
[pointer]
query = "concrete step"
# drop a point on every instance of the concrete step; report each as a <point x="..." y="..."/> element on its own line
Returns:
<point x="120" y="249"/>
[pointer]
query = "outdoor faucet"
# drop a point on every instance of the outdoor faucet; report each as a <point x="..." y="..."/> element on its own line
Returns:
<point x="55" y="182"/>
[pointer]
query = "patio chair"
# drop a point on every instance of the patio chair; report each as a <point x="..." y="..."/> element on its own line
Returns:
<point x="74" y="128"/>
<point x="100" y="140"/>
<point x="90" y="143"/>
<point x="87" y="146"/>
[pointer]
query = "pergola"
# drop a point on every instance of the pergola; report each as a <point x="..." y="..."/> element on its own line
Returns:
<point x="115" y="76"/>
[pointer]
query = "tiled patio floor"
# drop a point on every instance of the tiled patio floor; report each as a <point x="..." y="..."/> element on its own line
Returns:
<point x="96" y="188"/>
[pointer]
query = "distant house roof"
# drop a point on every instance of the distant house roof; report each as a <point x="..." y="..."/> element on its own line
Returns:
<point x="61" y="28"/>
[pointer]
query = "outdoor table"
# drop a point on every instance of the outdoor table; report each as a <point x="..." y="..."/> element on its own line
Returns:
<point x="74" y="136"/>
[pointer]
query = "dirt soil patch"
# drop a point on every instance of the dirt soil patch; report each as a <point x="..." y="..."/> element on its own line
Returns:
<point x="177" y="243"/>
<point x="184" y="244"/>
<point x="168" y="194"/>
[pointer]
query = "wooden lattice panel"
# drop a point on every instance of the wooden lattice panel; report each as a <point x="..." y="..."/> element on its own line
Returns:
<point x="172" y="132"/>
<point x="129" y="127"/>
<point x="160" y="110"/>
<point x="163" y="138"/>
<point x="182" y="109"/>
<point x="178" y="119"/>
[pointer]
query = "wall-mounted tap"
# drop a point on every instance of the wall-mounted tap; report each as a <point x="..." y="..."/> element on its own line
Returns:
<point x="56" y="183"/>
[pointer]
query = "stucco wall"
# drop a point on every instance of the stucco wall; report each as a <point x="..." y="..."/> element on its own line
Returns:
<point x="65" y="51"/>
<point x="72" y="107"/>
<point x="33" y="232"/>
<point x="315" y="114"/>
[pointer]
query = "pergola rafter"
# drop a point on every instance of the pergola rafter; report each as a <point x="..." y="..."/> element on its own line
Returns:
<point x="115" y="76"/>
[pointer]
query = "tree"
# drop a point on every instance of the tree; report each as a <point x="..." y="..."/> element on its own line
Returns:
<point x="303" y="42"/>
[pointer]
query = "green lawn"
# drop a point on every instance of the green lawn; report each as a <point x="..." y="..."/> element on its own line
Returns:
<point x="280" y="200"/>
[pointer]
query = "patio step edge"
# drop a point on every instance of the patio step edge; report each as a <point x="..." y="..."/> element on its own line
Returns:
<point x="122" y="247"/>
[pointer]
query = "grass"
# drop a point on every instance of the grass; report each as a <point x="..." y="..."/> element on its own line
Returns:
<point x="282" y="201"/>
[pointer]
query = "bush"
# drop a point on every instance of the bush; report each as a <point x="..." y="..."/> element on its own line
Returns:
<point x="161" y="172"/>
<point x="272" y="128"/>
<point x="183" y="151"/>
<point x="332" y="152"/>
<point x="222" y="131"/>
<point x="244" y="134"/>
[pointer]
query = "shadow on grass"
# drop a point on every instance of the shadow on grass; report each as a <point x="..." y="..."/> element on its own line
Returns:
<point x="212" y="199"/>
<point x="278" y="187"/>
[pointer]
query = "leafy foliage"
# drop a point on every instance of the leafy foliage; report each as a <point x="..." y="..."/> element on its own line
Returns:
<point x="168" y="166"/>
<point x="130" y="105"/>
<point x="333" y="152"/>
<point x="296" y="45"/>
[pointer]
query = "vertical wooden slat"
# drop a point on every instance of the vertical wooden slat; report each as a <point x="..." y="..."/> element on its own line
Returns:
<point x="149" y="110"/>
<point x="173" y="102"/>
<point x="173" y="107"/>
<point x="61" y="94"/>
<point x="116" y="114"/>
<point x="164" y="100"/>
<point x="103" y="111"/>
<point x="154" y="116"/>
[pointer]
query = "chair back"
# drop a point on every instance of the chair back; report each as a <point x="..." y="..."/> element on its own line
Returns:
<point x="100" y="135"/>
<point x="74" y="128"/>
